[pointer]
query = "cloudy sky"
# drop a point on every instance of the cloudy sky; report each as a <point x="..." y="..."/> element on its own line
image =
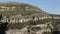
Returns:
<point x="50" y="6"/>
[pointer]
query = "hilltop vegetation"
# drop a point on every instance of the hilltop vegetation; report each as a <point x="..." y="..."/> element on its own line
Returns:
<point x="13" y="8"/>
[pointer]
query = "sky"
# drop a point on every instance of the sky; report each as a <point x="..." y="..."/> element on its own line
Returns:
<point x="50" y="6"/>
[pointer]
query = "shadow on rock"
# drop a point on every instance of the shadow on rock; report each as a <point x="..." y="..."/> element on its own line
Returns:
<point x="56" y="32"/>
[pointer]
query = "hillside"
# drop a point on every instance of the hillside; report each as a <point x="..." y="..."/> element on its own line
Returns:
<point x="13" y="8"/>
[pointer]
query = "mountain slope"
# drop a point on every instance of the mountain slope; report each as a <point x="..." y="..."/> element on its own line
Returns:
<point x="13" y="8"/>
